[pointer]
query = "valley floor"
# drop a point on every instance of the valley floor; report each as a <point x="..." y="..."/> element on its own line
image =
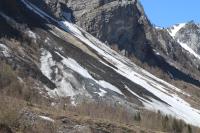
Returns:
<point x="21" y="116"/>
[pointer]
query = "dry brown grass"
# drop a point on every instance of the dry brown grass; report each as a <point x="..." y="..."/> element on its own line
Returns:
<point x="105" y="111"/>
<point x="99" y="115"/>
<point x="9" y="111"/>
<point x="143" y="119"/>
<point x="9" y="84"/>
<point x="40" y="127"/>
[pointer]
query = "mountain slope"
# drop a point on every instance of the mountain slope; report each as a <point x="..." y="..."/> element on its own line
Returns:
<point x="63" y="60"/>
<point x="136" y="36"/>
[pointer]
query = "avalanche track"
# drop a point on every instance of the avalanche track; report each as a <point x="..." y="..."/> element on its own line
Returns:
<point x="157" y="94"/>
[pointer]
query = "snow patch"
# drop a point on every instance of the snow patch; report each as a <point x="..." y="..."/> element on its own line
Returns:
<point x="46" y="63"/>
<point x="107" y="85"/>
<point x="157" y="53"/>
<point x="72" y="64"/>
<point x="46" y="118"/>
<point x="20" y="79"/>
<point x="174" y="29"/>
<point x="70" y="27"/>
<point x="31" y="34"/>
<point x="64" y="87"/>
<point x="159" y="28"/>
<point x="5" y="50"/>
<point x="47" y="40"/>
<point x="188" y="114"/>
<point x="101" y="93"/>
<point x="187" y="48"/>
<point x="140" y="98"/>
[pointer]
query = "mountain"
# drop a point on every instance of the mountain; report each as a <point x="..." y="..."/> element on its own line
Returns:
<point x="187" y="34"/>
<point x="136" y="36"/>
<point x="69" y="62"/>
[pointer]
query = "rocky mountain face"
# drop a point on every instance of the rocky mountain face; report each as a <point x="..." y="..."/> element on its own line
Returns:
<point x="189" y="34"/>
<point x="101" y="17"/>
<point x="187" y="37"/>
<point x="135" y="37"/>
<point x="51" y="49"/>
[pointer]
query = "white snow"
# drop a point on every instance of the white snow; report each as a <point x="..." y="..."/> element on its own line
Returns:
<point x="64" y="87"/>
<point x="47" y="40"/>
<point x="31" y="34"/>
<point x="174" y="29"/>
<point x="20" y="79"/>
<point x="46" y="118"/>
<point x="109" y="86"/>
<point x="46" y="63"/>
<point x="159" y="28"/>
<point x="70" y="27"/>
<point x="157" y="53"/>
<point x="126" y="2"/>
<point x="72" y="64"/>
<point x="101" y="93"/>
<point x="187" y="48"/>
<point x="5" y="50"/>
<point x="139" y="97"/>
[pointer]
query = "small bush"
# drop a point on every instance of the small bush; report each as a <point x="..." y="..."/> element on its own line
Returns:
<point x="177" y="126"/>
<point x="165" y="123"/>
<point x="6" y="75"/>
<point x="137" y="117"/>
<point x="189" y="129"/>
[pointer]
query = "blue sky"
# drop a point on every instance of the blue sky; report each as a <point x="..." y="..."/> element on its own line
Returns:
<point x="165" y="13"/>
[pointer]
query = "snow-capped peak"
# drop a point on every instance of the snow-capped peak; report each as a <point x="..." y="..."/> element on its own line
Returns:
<point x="179" y="38"/>
<point x="174" y="29"/>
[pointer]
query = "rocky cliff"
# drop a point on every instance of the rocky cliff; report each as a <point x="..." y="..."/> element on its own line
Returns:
<point x="122" y="24"/>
